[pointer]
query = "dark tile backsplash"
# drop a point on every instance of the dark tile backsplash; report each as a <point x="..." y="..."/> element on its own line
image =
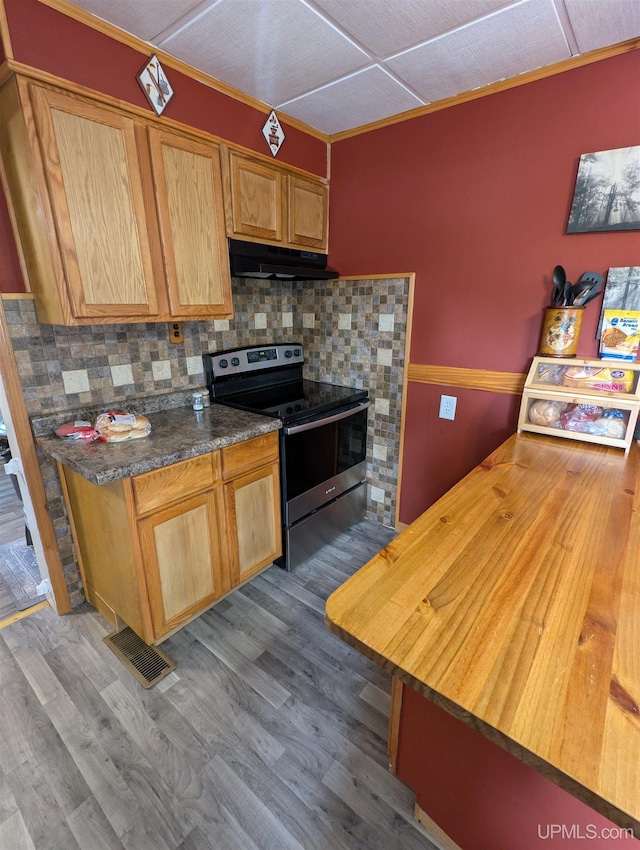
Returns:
<point x="353" y="333"/>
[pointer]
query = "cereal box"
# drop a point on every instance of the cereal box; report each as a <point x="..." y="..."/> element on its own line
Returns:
<point x="620" y="334"/>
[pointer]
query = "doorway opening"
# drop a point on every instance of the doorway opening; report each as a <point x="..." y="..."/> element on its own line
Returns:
<point x="19" y="571"/>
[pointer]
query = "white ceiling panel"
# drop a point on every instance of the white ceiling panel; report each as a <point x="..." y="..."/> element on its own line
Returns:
<point x="273" y="50"/>
<point x="324" y="61"/>
<point x="595" y="26"/>
<point x="519" y="38"/>
<point x="388" y="26"/>
<point x="143" y="18"/>
<point x="367" y="96"/>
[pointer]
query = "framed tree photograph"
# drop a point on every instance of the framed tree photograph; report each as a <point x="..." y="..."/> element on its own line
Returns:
<point x="607" y="193"/>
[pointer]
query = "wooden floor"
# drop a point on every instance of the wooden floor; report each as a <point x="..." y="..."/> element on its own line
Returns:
<point x="270" y="735"/>
<point x="11" y="528"/>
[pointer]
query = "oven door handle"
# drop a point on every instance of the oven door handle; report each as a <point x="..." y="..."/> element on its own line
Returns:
<point x="326" y="420"/>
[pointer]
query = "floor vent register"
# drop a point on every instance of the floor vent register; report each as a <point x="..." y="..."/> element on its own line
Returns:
<point x="147" y="663"/>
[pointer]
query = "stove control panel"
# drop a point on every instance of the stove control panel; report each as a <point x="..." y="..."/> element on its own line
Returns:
<point x="242" y="361"/>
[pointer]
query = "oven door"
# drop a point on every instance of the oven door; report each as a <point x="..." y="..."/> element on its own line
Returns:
<point x="322" y="459"/>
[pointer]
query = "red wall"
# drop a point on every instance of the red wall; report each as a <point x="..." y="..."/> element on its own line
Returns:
<point x="475" y="199"/>
<point x="483" y="797"/>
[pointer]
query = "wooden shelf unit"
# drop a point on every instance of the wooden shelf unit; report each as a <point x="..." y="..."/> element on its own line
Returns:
<point x="544" y="382"/>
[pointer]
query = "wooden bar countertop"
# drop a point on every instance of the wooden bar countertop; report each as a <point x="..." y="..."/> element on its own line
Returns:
<point x="514" y="603"/>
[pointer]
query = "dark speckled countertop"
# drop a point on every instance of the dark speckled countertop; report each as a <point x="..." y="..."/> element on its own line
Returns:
<point x="176" y="435"/>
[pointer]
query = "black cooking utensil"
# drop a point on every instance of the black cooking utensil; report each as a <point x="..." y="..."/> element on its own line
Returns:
<point x="592" y="284"/>
<point x="559" y="280"/>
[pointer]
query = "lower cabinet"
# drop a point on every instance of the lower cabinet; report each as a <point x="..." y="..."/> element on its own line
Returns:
<point x="157" y="549"/>
<point x="181" y="551"/>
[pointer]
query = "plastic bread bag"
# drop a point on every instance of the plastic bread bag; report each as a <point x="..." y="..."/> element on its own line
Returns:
<point x="581" y="418"/>
<point x="609" y="379"/>
<point x="550" y="373"/>
<point x="120" y="426"/>
<point x="77" y="430"/>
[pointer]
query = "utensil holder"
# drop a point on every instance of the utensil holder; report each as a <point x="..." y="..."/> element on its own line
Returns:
<point x="560" y="331"/>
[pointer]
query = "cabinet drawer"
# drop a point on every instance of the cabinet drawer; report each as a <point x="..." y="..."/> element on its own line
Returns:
<point x="158" y="488"/>
<point x="248" y="455"/>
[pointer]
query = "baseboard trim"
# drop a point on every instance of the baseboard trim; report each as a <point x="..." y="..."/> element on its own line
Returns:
<point x="438" y="836"/>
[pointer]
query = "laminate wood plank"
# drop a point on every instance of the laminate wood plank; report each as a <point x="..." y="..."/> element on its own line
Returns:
<point x="396" y="832"/>
<point x="15" y="749"/>
<point x="348" y="829"/>
<point x="259" y="822"/>
<point x="142" y="790"/>
<point x="38" y="674"/>
<point x="227" y="633"/>
<point x="336" y="724"/>
<point x="14" y="834"/>
<point x="332" y="681"/>
<point x="7" y="603"/>
<point x="263" y="684"/>
<point x="299" y="820"/>
<point x="36" y="795"/>
<point x="91" y="829"/>
<point x="108" y="779"/>
<point x="201" y="840"/>
<point x="294" y="589"/>
<point x="128" y="707"/>
<point x="183" y="778"/>
<point x="267" y="731"/>
<point x="380" y="700"/>
<point x="222" y="721"/>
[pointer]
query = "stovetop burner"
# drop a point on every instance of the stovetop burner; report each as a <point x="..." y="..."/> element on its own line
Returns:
<point x="295" y="400"/>
<point x="269" y="380"/>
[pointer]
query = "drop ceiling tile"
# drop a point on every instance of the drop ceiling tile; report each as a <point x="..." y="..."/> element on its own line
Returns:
<point x="367" y="96"/>
<point x="269" y="49"/>
<point x="593" y="29"/>
<point x="388" y="26"/>
<point x="517" y="39"/>
<point x="143" y="18"/>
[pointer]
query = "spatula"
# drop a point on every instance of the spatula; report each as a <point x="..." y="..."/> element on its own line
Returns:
<point x="590" y="283"/>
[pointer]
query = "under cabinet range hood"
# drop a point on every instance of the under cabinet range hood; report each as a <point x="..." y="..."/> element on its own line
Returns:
<point x="250" y="259"/>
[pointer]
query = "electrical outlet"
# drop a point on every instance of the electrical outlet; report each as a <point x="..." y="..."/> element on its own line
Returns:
<point x="448" y="406"/>
<point x="175" y="332"/>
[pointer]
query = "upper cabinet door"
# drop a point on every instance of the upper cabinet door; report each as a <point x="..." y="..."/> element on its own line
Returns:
<point x="256" y="202"/>
<point x="95" y="190"/>
<point x="270" y="203"/>
<point x="308" y="213"/>
<point x="188" y="190"/>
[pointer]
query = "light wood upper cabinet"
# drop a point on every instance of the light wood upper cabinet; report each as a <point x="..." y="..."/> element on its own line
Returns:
<point x="117" y="219"/>
<point x="268" y="203"/>
<point x="74" y="185"/>
<point x="308" y="213"/>
<point x="188" y="190"/>
<point x="255" y="199"/>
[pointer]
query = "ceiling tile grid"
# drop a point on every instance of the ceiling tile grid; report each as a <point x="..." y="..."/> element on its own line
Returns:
<point x="514" y="40"/>
<point x="269" y="49"/>
<point x="368" y="96"/>
<point x="341" y="64"/>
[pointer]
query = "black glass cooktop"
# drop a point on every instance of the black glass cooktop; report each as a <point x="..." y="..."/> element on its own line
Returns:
<point x="295" y="400"/>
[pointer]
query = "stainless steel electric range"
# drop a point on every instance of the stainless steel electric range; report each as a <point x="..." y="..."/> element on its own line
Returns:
<point x="323" y="439"/>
